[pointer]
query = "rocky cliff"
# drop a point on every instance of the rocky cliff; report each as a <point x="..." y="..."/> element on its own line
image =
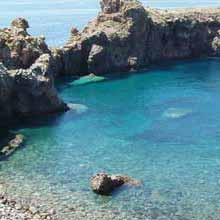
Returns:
<point x="29" y="92"/>
<point x="127" y="36"/>
<point x="26" y="74"/>
<point x="17" y="48"/>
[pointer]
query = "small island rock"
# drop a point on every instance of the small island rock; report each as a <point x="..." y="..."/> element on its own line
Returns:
<point x="104" y="184"/>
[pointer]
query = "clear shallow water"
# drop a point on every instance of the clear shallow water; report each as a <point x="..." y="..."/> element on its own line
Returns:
<point x="54" y="18"/>
<point x="161" y="127"/>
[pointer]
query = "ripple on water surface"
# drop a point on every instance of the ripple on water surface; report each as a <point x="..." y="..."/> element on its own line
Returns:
<point x="124" y="131"/>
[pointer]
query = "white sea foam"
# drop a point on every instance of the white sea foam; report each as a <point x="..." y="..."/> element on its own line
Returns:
<point x="91" y="78"/>
<point x="78" y="108"/>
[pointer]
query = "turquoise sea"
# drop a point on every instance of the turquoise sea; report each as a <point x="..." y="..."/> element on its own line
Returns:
<point x="160" y="126"/>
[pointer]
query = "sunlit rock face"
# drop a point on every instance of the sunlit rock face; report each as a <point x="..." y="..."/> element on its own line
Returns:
<point x="29" y="92"/>
<point x="17" y="48"/>
<point x="27" y="70"/>
<point x="126" y="36"/>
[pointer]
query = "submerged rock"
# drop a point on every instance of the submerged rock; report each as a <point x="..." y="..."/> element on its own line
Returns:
<point x="13" y="145"/>
<point x="176" y="113"/>
<point x="78" y="108"/>
<point x="104" y="184"/>
<point x="91" y="78"/>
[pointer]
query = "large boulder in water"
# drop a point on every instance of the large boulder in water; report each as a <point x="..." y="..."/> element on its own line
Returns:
<point x="104" y="184"/>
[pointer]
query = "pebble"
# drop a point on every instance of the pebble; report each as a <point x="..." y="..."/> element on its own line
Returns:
<point x="13" y="210"/>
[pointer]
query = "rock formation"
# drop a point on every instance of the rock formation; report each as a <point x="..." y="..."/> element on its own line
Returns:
<point x="110" y="6"/>
<point x="104" y="184"/>
<point x="28" y="92"/>
<point x="27" y="71"/>
<point x="17" y="48"/>
<point x="126" y="36"/>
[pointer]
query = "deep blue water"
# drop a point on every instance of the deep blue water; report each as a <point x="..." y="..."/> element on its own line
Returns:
<point x="160" y="126"/>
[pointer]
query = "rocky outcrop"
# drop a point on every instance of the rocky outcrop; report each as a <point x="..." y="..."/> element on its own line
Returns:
<point x="104" y="184"/>
<point x="28" y="92"/>
<point x="17" y="48"/>
<point x="126" y="36"/>
<point x="27" y="70"/>
<point x="110" y="6"/>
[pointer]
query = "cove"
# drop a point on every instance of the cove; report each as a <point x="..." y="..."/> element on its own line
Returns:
<point x="127" y="129"/>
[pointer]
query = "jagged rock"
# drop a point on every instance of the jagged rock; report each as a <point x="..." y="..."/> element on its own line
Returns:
<point x="76" y="52"/>
<point x="110" y="6"/>
<point x="20" y="23"/>
<point x="96" y="53"/>
<point x="28" y="92"/>
<point x="126" y="36"/>
<point x="35" y="91"/>
<point x="17" y="48"/>
<point x="105" y="184"/>
<point x="27" y="73"/>
<point x="74" y="31"/>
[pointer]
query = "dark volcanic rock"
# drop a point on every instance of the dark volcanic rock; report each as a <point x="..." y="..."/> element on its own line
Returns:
<point x="104" y="184"/>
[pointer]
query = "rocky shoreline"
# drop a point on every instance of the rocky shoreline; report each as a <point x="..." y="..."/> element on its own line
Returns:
<point x="125" y="36"/>
<point x="17" y="210"/>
